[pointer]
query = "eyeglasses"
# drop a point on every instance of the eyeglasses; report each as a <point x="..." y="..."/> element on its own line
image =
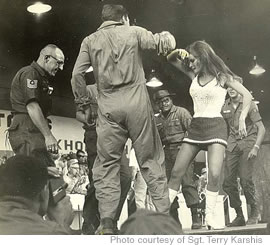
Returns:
<point x="59" y="62"/>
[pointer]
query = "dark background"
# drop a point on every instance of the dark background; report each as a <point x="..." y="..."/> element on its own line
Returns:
<point x="236" y="29"/>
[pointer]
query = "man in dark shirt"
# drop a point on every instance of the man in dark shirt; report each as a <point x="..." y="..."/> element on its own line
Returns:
<point x="30" y="99"/>
<point x="114" y="51"/>
<point x="24" y="197"/>
<point x="241" y="155"/>
<point x="172" y="123"/>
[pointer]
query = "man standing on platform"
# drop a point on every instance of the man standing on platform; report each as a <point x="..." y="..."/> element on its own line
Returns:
<point x="241" y="156"/>
<point x="172" y="123"/>
<point x="115" y="52"/>
<point x="91" y="214"/>
<point x="29" y="133"/>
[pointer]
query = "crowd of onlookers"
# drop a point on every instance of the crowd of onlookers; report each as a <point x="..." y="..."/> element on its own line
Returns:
<point x="74" y="171"/>
<point x="72" y="167"/>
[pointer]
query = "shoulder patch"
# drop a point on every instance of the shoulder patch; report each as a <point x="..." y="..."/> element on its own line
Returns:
<point x="32" y="83"/>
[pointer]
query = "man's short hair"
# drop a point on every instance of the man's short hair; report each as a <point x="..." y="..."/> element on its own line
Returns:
<point x="113" y="12"/>
<point x="23" y="176"/>
<point x="48" y="49"/>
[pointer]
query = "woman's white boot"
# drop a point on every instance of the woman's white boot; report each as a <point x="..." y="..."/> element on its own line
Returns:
<point x="210" y="220"/>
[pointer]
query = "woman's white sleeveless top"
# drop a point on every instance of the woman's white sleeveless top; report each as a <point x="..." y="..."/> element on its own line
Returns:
<point x="208" y="99"/>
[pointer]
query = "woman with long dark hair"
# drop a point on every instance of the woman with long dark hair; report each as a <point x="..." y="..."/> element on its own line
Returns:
<point x="208" y="131"/>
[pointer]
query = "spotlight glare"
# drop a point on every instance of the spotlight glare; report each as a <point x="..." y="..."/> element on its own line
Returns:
<point x="154" y="82"/>
<point x="257" y="70"/>
<point x="39" y="8"/>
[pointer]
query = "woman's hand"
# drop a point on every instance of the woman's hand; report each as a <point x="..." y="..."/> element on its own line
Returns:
<point x="182" y="54"/>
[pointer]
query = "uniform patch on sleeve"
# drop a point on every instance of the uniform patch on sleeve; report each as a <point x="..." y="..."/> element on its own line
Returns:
<point x="32" y="83"/>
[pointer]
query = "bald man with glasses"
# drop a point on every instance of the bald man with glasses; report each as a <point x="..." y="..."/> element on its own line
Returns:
<point x="29" y="132"/>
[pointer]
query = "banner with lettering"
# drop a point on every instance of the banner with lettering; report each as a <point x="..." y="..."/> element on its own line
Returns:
<point x="68" y="132"/>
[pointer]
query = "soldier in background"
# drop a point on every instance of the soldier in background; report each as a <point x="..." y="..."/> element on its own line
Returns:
<point x="241" y="155"/>
<point x="172" y="123"/>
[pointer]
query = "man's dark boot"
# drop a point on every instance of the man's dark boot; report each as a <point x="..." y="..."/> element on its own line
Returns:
<point x="174" y="211"/>
<point x="239" y="219"/>
<point x="196" y="219"/>
<point x="106" y="227"/>
<point x="254" y="215"/>
<point x="88" y="229"/>
<point x="115" y="228"/>
<point x="174" y="214"/>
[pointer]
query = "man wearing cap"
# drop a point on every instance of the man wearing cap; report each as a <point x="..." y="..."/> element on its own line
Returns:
<point x="77" y="182"/>
<point x="241" y="155"/>
<point x="31" y="102"/>
<point x="115" y="52"/>
<point x="172" y="123"/>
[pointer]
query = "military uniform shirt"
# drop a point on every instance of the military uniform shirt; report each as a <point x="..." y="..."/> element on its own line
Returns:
<point x="30" y="84"/>
<point x="232" y="116"/>
<point x="173" y="127"/>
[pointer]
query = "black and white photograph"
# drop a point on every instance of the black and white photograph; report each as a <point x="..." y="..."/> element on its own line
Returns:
<point x="135" y="117"/>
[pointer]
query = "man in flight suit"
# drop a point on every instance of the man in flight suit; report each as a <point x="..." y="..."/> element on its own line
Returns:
<point x="90" y="209"/>
<point x="241" y="154"/>
<point x="172" y="123"/>
<point x="124" y="108"/>
<point x="29" y="133"/>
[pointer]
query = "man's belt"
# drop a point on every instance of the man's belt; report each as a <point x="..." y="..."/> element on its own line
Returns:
<point x="18" y="112"/>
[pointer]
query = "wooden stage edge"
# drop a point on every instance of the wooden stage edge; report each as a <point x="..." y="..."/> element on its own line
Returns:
<point x="258" y="229"/>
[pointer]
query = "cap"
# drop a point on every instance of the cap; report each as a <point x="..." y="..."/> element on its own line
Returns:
<point x="72" y="162"/>
<point x="161" y="94"/>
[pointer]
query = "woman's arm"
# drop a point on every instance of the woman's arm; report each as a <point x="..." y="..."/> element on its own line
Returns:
<point x="176" y="58"/>
<point x="247" y="98"/>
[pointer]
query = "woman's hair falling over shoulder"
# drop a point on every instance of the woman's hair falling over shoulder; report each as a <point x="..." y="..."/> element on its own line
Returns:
<point x="212" y="62"/>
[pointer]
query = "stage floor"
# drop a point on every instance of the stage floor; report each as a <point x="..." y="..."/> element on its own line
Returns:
<point x="258" y="229"/>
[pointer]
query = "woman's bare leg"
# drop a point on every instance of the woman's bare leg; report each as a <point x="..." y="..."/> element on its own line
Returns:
<point x="184" y="157"/>
<point x="215" y="162"/>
